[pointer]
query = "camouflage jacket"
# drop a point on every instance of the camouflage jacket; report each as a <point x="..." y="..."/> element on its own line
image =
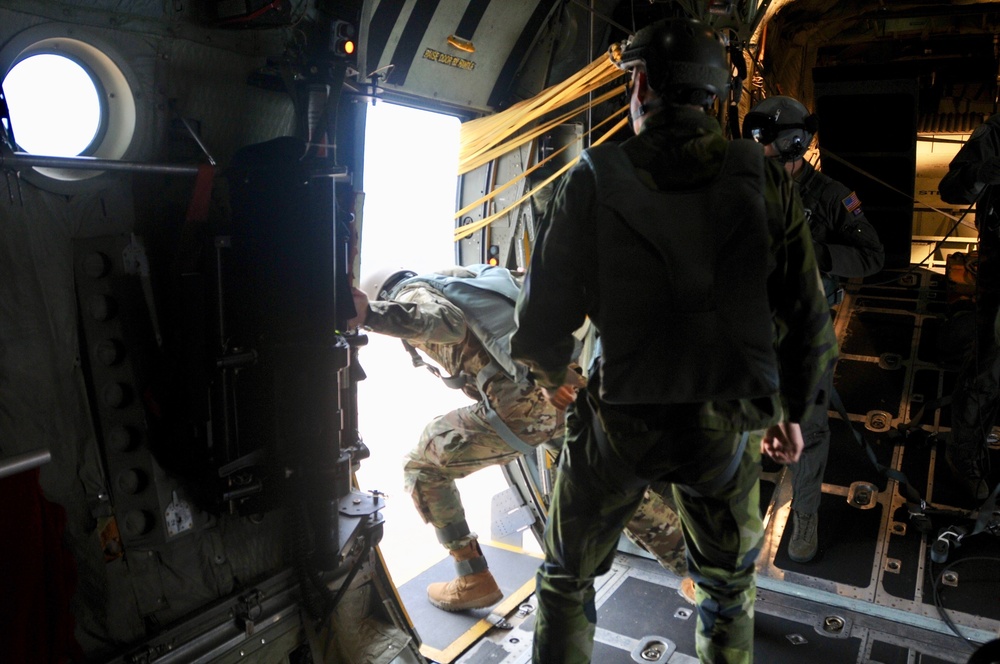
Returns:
<point x="432" y="324"/>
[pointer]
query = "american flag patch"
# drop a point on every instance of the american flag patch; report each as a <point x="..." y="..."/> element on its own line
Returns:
<point x="853" y="204"/>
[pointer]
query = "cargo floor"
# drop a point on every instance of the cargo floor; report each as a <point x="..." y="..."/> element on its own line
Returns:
<point x="873" y="593"/>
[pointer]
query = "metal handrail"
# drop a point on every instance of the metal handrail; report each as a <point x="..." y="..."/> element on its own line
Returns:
<point x="21" y="462"/>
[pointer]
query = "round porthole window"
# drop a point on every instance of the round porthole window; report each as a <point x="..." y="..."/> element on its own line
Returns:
<point x="68" y="95"/>
<point x="62" y="117"/>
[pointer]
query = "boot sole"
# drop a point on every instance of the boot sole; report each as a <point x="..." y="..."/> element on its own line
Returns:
<point x="480" y="603"/>
<point x="802" y="559"/>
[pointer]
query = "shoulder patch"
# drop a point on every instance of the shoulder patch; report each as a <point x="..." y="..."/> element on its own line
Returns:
<point x="853" y="204"/>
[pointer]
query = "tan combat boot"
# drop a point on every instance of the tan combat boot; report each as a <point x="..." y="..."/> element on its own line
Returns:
<point x="687" y="589"/>
<point x="474" y="587"/>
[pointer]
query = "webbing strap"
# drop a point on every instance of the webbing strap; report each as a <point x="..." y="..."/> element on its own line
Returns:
<point x="914" y="500"/>
<point x="202" y="194"/>
<point x="719" y="481"/>
<point x="189" y="250"/>
<point x="927" y="408"/>
<point x="456" y="382"/>
<point x="509" y="437"/>
<point x="453" y="531"/>
<point x="460" y="380"/>
<point x="471" y="566"/>
<point x="916" y="503"/>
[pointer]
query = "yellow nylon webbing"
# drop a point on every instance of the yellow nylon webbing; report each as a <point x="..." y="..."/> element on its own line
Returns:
<point x="488" y="138"/>
<point x="497" y="190"/>
<point x="466" y="231"/>
<point x="478" y="136"/>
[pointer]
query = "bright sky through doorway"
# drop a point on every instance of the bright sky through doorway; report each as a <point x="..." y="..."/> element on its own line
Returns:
<point x="411" y="166"/>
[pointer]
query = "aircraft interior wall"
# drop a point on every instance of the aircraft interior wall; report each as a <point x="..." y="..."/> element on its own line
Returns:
<point x="127" y="302"/>
<point x="178" y="387"/>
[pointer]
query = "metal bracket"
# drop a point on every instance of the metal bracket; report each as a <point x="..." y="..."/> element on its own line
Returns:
<point x="509" y="516"/>
<point x="862" y="495"/>
<point x="361" y="504"/>
<point x="653" y="649"/>
<point x="249" y="610"/>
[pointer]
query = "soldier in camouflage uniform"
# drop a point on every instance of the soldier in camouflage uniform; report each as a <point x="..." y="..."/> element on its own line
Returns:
<point x="691" y="256"/>
<point x="463" y="441"/>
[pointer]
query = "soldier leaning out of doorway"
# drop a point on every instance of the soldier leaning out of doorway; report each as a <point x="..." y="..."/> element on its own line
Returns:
<point x="439" y="315"/>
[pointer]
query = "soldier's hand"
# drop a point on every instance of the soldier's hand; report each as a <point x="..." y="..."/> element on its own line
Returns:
<point x="575" y="378"/>
<point x="360" y="306"/>
<point x="989" y="171"/>
<point x="560" y="397"/>
<point x="783" y="442"/>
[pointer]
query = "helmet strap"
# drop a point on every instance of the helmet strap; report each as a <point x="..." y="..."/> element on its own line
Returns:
<point x="646" y="107"/>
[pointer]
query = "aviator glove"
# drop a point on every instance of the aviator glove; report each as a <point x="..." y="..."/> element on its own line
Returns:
<point x="989" y="171"/>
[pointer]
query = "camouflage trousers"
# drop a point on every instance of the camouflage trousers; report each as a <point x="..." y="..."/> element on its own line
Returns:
<point x="656" y="528"/>
<point x="462" y="441"/>
<point x="807" y="473"/>
<point x="597" y="491"/>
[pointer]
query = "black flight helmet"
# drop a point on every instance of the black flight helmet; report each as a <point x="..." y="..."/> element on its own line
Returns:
<point x="783" y="121"/>
<point x="685" y="60"/>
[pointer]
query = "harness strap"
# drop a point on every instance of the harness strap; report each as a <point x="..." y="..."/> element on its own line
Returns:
<point x="915" y="502"/>
<point x="460" y="380"/>
<point x="456" y="382"/>
<point x="634" y="481"/>
<point x="453" y="531"/>
<point x="482" y="378"/>
<point x="711" y="486"/>
<point x="628" y="480"/>
<point x="471" y="566"/>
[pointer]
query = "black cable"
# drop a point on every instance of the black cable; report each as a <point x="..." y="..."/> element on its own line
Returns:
<point x="913" y="267"/>
<point x="937" y="598"/>
<point x="332" y="600"/>
<point x="937" y="245"/>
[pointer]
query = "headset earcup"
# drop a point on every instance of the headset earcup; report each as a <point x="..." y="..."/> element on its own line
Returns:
<point x="793" y="146"/>
<point x="812" y="124"/>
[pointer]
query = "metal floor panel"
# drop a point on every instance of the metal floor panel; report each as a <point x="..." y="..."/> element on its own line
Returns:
<point x="872" y="594"/>
<point x="445" y="635"/>
<point x="893" y="364"/>
<point x="637" y="601"/>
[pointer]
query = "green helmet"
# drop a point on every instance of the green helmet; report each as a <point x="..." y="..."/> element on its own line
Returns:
<point x="685" y="60"/>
